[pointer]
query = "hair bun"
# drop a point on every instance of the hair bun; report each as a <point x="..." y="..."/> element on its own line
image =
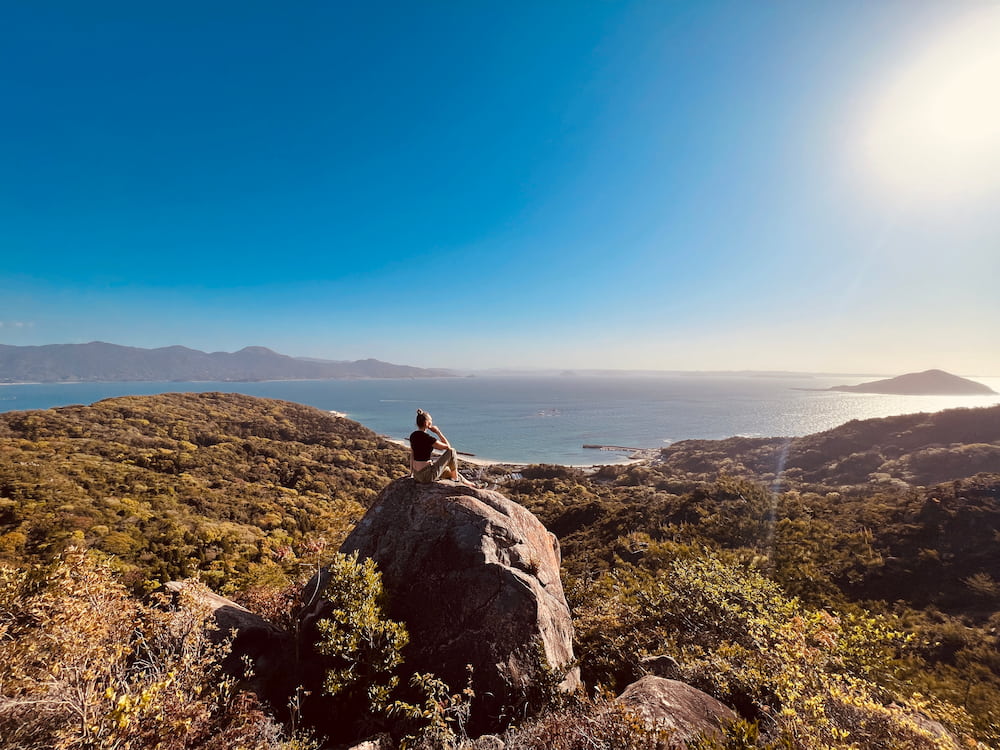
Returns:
<point x="420" y="411"/>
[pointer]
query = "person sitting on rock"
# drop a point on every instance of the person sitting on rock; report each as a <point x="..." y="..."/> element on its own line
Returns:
<point x="423" y="441"/>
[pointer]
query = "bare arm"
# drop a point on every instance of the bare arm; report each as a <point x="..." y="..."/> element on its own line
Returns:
<point x="442" y="440"/>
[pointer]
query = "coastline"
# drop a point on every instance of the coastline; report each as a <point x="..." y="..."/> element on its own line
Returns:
<point x="546" y="421"/>
<point x="467" y="459"/>
<point x="488" y="462"/>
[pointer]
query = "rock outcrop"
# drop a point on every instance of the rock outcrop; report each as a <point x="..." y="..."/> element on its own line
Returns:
<point x="475" y="578"/>
<point x="266" y="649"/>
<point x="682" y="711"/>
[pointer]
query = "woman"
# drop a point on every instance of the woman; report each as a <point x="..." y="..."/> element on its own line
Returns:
<point x="423" y="441"/>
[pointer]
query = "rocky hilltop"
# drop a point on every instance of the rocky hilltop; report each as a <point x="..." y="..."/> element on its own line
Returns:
<point x="768" y="574"/>
<point x="101" y="362"/>
<point x="927" y="383"/>
<point x="476" y="579"/>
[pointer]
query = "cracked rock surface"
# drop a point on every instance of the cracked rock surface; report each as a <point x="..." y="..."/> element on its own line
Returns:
<point x="475" y="577"/>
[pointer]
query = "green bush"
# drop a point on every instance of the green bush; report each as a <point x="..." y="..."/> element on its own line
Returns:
<point x="808" y="676"/>
<point x="363" y="647"/>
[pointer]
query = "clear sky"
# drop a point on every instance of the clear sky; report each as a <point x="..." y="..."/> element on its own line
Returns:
<point x="779" y="184"/>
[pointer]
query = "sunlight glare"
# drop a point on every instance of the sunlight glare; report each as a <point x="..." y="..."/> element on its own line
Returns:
<point x="933" y="131"/>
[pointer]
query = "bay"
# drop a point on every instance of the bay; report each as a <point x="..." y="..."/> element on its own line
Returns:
<point x="548" y="419"/>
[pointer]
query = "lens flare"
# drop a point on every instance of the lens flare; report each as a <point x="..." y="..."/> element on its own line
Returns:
<point x="933" y="130"/>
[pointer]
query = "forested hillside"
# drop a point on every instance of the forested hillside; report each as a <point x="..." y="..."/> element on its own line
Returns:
<point x="843" y="520"/>
<point x="221" y="486"/>
<point x="837" y="590"/>
<point x="912" y="449"/>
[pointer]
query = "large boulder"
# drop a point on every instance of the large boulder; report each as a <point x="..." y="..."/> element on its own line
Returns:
<point x="680" y="710"/>
<point x="475" y="578"/>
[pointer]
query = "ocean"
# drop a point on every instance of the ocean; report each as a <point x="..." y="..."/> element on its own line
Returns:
<point x="548" y="419"/>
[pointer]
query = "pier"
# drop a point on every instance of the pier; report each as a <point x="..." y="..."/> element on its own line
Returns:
<point x="635" y="454"/>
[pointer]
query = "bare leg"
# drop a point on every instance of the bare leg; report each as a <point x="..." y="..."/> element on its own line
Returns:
<point x="450" y="470"/>
<point x="459" y="478"/>
<point x="453" y="471"/>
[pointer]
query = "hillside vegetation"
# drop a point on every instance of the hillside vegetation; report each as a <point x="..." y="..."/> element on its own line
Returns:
<point x="913" y="449"/>
<point x="837" y="590"/>
<point x="220" y="486"/>
<point x="847" y="526"/>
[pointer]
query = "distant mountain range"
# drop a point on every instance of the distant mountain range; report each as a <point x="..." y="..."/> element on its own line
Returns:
<point x="101" y="362"/>
<point x="927" y="383"/>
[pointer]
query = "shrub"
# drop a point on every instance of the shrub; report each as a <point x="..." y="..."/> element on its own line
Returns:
<point x="362" y="647"/>
<point x="84" y="665"/>
<point x="439" y="721"/>
<point x="809" y="677"/>
<point x="585" y="725"/>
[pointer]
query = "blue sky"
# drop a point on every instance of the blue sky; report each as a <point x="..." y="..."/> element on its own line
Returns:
<point x="656" y="185"/>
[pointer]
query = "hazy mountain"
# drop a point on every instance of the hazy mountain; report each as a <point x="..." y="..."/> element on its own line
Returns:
<point x="927" y="383"/>
<point x="101" y="362"/>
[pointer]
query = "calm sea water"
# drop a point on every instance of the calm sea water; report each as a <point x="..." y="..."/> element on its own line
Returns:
<point x="535" y="419"/>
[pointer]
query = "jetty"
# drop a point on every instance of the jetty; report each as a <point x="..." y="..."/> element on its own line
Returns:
<point x="634" y="454"/>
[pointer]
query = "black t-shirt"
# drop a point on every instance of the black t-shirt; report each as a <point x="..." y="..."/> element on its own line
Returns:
<point x="422" y="444"/>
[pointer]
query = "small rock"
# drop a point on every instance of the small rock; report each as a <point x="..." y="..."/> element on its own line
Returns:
<point x="679" y="709"/>
<point x="488" y="742"/>
<point x="661" y="665"/>
<point x="269" y="650"/>
<point x="941" y="735"/>
<point x="382" y="742"/>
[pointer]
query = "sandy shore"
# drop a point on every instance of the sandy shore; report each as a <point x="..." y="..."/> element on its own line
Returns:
<point x="476" y="461"/>
<point x="466" y="459"/>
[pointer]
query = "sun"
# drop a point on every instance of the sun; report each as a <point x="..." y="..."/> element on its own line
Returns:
<point x="932" y="129"/>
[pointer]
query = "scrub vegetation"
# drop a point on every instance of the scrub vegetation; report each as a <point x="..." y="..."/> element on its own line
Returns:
<point x="840" y="590"/>
<point x="224" y="487"/>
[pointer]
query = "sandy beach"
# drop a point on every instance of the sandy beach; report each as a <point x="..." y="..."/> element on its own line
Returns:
<point x="465" y="458"/>
<point x="476" y="461"/>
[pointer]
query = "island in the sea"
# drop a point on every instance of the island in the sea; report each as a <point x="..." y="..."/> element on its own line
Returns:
<point x="927" y="383"/>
